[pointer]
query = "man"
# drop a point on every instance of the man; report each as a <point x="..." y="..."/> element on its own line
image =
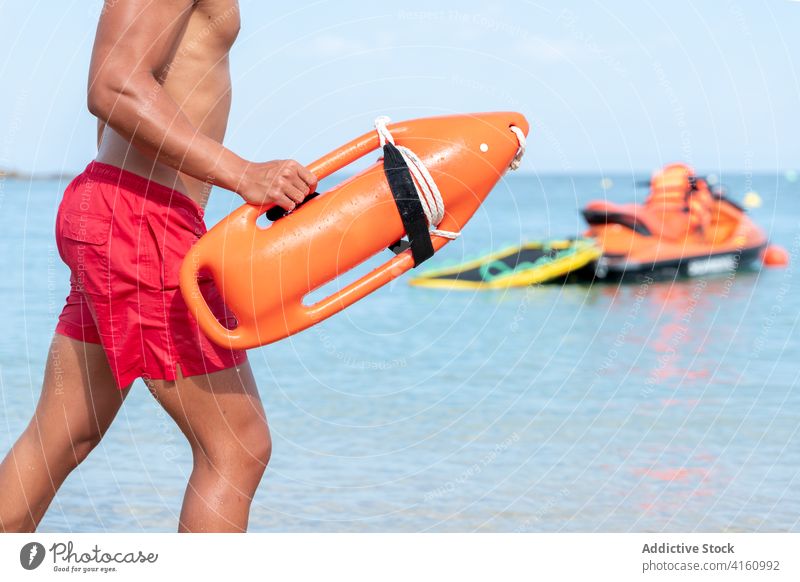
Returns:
<point x="159" y="84"/>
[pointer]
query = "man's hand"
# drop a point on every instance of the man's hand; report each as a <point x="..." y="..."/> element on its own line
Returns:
<point x="284" y="183"/>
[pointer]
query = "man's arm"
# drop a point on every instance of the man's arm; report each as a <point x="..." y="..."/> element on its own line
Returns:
<point x="134" y="44"/>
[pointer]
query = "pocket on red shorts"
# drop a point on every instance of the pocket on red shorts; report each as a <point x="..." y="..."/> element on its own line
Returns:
<point x="82" y="240"/>
<point x="84" y="227"/>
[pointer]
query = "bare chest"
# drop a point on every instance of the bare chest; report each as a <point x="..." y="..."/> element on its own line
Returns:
<point x="210" y="32"/>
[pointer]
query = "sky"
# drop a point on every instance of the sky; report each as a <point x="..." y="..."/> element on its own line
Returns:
<point x="608" y="86"/>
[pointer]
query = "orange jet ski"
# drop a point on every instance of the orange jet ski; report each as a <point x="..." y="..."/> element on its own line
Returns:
<point x="684" y="229"/>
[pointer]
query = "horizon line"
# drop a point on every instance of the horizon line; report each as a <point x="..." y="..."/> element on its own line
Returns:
<point x="22" y="175"/>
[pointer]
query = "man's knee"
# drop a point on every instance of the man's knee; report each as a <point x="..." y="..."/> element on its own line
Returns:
<point x="84" y="443"/>
<point x="256" y="443"/>
<point x="246" y="447"/>
<point x="64" y="446"/>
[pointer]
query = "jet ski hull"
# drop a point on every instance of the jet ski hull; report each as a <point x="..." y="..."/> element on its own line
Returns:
<point x="614" y="269"/>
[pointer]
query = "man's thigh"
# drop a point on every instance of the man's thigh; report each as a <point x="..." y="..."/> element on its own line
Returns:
<point x="215" y="411"/>
<point x="79" y="396"/>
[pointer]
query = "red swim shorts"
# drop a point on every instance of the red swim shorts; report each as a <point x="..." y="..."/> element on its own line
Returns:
<point x="124" y="237"/>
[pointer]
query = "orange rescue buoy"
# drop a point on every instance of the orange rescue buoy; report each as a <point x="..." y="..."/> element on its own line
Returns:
<point x="263" y="274"/>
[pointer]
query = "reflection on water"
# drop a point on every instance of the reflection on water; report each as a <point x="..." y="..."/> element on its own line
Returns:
<point x="654" y="406"/>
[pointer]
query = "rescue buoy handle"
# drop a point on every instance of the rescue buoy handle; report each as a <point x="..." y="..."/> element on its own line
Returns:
<point x="190" y="270"/>
<point x="276" y="212"/>
<point x="323" y="167"/>
<point x="370" y="282"/>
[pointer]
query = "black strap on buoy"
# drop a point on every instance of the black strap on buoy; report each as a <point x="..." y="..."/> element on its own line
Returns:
<point x="409" y="206"/>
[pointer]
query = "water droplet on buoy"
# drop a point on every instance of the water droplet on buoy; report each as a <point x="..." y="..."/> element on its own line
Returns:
<point x="484" y="147"/>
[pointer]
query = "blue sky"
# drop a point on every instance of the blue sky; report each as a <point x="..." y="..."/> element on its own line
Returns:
<point x="611" y="86"/>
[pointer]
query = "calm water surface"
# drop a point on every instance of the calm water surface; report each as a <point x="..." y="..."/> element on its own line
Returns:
<point x="663" y="407"/>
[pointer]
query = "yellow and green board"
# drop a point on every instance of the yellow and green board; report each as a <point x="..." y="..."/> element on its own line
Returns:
<point x="527" y="264"/>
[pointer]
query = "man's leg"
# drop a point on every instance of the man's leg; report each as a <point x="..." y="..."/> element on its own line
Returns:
<point x="78" y="402"/>
<point x="222" y="417"/>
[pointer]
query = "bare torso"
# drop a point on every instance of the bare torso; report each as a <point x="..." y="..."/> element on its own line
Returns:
<point x="198" y="80"/>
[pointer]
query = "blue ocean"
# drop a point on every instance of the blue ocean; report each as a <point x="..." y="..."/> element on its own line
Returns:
<point x="655" y="407"/>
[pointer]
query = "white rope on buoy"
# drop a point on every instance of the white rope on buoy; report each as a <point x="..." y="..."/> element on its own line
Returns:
<point x="383" y="132"/>
<point x="427" y="190"/>
<point x="521" y="151"/>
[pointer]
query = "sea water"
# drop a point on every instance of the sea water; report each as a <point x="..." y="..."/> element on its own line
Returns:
<point x="670" y="406"/>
